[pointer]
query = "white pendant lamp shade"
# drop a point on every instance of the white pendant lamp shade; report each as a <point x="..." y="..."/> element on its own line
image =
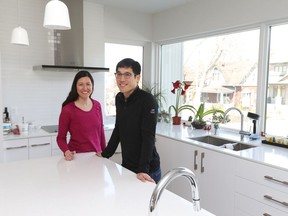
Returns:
<point x="56" y="16"/>
<point x="19" y="36"/>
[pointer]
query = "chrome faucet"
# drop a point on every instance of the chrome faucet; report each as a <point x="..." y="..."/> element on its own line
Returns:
<point x="167" y="178"/>
<point x="242" y="132"/>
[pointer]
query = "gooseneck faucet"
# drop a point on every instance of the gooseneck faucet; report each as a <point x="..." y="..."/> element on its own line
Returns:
<point x="169" y="177"/>
<point x="242" y="132"/>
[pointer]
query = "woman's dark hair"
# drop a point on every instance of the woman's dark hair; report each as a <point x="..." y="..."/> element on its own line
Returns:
<point x="73" y="95"/>
<point x="127" y="63"/>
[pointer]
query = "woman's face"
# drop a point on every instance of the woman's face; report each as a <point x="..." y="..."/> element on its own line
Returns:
<point x="84" y="87"/>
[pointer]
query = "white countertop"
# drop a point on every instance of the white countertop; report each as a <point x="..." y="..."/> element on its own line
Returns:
<point x="267" y="154"/>
<point x="39" y="132"/>
<point x="263" y="153"/>
<point x="88" y="185"/>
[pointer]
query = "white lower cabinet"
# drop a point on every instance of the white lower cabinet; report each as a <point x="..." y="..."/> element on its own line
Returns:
<point x="15" y="150"/>
<point x="117" y="157"/>
<point x="39" y="147"/>
<point x="214" y="172"/>
<point x="55" y="148"/>
<point x="260" y="190"/>
<point x="27" y="148"/>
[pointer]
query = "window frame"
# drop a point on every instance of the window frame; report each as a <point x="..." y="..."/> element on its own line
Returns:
<point x="263" y="59"/>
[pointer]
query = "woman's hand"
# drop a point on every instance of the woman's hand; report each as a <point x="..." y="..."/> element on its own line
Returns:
<point x="99" y="154"/>
<point x="69" y="155"/>
<point x="144" y="177"/>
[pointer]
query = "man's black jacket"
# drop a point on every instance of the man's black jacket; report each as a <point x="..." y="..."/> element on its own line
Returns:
<point x="135" y="127"/>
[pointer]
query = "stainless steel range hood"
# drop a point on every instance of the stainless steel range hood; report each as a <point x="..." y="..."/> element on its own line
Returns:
<point x="67" y="45"/>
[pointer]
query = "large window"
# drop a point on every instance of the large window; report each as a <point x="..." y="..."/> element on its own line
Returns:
<point x="113" y="54"/>
<point x="277" y="92"/>
<point x="223" y="69"/>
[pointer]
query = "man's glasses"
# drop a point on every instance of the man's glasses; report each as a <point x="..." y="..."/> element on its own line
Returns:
<point x="126" y="75"/>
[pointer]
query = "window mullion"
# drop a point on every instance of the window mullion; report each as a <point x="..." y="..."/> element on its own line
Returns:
<point x="263" y="73"/>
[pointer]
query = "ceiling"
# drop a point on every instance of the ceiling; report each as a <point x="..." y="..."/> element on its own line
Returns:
<point x="146" y="6"/>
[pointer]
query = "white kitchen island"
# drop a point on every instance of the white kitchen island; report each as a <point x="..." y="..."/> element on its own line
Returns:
<point x="86" y="186"/>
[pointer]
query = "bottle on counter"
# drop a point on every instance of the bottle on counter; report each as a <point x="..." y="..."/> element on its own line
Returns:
<point x="6" y="117"/>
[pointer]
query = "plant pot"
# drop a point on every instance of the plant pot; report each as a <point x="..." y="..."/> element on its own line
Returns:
<point x="176" y="120"/>
<point x="198" y="125"/>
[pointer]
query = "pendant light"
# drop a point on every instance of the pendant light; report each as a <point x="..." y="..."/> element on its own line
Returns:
<point x="56" y="16"/>
<point x="19" y="34"/>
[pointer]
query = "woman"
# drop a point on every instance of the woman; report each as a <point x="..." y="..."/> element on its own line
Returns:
<point x="81" y="116"/>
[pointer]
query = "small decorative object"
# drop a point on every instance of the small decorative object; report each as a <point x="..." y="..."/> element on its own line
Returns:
<point x="216" y="127"/>
<point x="179" y="88"/>
<point x="188" y="123"/>
<point x="207" y="127"/>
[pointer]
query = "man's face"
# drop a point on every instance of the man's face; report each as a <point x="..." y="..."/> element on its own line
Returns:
<point x="126" y="80"/>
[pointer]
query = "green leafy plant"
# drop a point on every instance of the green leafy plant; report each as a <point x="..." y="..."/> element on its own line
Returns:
<point x="160" y="99"/>
<point x="180" y="88"/>
<point x="199" y="121"/>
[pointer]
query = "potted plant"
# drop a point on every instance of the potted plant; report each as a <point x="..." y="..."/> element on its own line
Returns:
<point x="199" y="122"/>
<point x="218" y="118"/>
<point x="179" y="88"/>
<point x="160" y="99"/>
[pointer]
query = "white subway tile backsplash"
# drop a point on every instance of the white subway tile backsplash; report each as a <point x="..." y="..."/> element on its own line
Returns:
<point x="37" y="95"/>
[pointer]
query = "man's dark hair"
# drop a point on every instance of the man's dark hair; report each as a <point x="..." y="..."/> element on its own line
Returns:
<point x="127" y="63"/>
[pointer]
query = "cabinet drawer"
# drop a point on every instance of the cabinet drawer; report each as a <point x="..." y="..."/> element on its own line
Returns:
<point x="55" y="148"/>
<point x="15" y="150"/>
<point x="15" y="144"/>
<point x="262" y="174"/>
<point x="54" y="142"/>
<point x="259" y="192"/>
<point x="39" y="147"/>
<point x="245" y="206"/>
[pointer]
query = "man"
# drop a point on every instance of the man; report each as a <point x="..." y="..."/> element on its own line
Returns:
<point x="136" y="119"/>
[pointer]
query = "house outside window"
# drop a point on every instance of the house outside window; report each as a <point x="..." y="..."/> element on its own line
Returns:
<point x="277" y="92"/>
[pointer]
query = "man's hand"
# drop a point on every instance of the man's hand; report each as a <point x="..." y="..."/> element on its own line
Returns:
<point x="144" y="177"/>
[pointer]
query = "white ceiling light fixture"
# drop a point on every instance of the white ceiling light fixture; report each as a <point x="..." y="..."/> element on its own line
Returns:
<point x="56" y="16"/>
<point x="19" y="35"/>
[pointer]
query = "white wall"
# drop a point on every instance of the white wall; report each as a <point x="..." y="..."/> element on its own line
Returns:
<point x="38" y="95"/>
<point x="210" y="15"/>
<point x="127" y="26"/>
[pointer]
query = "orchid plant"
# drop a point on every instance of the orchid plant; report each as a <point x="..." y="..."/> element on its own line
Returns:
<point x="218" y="118"/>
<point x="180" y="88"/>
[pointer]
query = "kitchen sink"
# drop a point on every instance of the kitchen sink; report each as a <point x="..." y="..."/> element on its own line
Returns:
<point x="50" y="128"/>
<point x="224" y="143"/>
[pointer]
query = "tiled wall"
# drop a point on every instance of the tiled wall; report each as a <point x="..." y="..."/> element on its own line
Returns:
<point x="35" y="95"/>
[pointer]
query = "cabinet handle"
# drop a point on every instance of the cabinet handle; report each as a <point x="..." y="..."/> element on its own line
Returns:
<point x="275" y="200"/>
<point x="202" y="164"/>
<point x="266" y="214"/>
<point x="195" y="160"/>
<point x="40" y="144"/>
<point x="276" y="180"/>
<point x="17" y="147"/>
